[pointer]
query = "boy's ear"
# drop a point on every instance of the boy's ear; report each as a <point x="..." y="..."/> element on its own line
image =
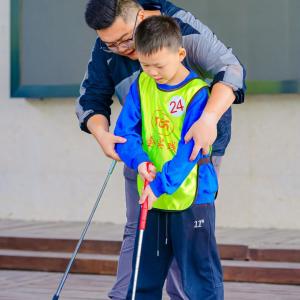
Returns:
<point x="142" y="14"/>
<point x="182" y="53"/>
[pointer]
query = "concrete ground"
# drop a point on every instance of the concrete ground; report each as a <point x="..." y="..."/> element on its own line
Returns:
<point x="23" y="285"/>
<point x="260" y="238"/>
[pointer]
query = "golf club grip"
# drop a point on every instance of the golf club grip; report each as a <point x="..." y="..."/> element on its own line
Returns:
<point x="144" y="209"/>
<point x="143" y="217"/>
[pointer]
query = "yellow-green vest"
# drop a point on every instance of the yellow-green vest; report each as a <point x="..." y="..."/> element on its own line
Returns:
<point x="163" y="114"/>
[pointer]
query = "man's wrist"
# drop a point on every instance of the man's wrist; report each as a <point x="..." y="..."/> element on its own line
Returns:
<point x="98" y="125"/>
<point x="221" y="98"/>
<point x="210" y="117"/>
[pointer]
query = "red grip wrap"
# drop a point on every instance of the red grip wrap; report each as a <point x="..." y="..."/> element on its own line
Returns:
<point x="143" y="216"/>
<point x="144" y="208"/>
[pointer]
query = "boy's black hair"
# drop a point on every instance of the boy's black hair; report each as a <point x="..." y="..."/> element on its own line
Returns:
<point x="100" y="14"/>
<point x="157" y="32"/>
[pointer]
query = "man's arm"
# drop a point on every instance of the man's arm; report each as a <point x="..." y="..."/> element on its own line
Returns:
<point x="204" y="130"/>
<point x="206" y="53"/>
<point x="93" y="105"/>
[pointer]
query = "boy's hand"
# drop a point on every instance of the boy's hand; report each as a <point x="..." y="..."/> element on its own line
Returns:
<point x="151" y="197"/>
<point x="148" y="175"/>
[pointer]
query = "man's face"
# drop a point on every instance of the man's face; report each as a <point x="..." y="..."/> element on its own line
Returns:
<point x="163" y="65"/>
<point x="119" y="37"/>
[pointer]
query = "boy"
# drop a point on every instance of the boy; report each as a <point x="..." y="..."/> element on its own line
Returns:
<point x="163" y="103"/>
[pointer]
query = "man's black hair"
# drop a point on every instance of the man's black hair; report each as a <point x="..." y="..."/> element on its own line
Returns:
<point x="157" y="32"/>
<point x="100" y="14"/>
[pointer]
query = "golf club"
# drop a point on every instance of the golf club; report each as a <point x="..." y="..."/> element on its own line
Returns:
<point x="64" y="278"/>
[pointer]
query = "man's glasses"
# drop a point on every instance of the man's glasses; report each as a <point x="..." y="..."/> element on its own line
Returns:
<point x="127" y="44"/>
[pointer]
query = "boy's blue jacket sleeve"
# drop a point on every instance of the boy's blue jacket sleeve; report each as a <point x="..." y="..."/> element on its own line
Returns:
<point x="129" y="126"/>
<point x="176" y="170"/>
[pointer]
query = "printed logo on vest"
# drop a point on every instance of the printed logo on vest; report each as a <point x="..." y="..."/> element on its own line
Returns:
<point x="162" y="123"/>
<point x="176" y="106"/>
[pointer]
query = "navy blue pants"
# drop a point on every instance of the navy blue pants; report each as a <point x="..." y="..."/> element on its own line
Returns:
<point x="189" y="236"/>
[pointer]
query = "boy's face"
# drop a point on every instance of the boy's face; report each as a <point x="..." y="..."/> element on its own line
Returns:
<point x="163" y="65"/>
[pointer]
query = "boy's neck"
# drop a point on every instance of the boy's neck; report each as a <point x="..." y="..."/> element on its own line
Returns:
<point x="180" y="75"/>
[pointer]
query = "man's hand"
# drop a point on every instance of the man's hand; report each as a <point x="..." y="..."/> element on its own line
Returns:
<point x="147" y="193"/>
<point x="204" y="133"/>
<point x="107" y="142"/>
<point x="148" y="175"/>
<point x="98" y="126"/>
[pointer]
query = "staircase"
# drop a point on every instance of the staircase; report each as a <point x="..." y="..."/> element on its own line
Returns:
<point x="240" y="262"/>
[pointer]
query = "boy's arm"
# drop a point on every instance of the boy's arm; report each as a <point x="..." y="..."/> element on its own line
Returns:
<point x="176" y="170"/>
<point x="129" y="127"/>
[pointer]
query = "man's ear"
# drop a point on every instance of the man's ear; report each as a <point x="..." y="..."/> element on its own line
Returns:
<point x="182" y="53"/>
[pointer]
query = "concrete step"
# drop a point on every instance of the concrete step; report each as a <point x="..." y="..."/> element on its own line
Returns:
<point x="262" y="272"/>
<point x="95" y="246"/>
<point x="59" y="245"/>
<point x="57" y="262"/>
<point x="279" y="255"/>
<point x="228" y="252"/>
<point x="243" y="271"/>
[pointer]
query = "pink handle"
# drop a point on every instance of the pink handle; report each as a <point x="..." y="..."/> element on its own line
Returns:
<point x="144" y="209"/>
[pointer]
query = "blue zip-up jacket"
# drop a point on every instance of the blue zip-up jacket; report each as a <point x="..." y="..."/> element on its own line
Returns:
<point x="108" y="73"/>
<point x="176" y="170"/>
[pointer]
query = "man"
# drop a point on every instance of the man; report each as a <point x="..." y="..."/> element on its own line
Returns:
<point x="112" y="69"/>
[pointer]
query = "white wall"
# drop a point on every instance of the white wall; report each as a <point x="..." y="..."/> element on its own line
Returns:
<point x="261" y="172"/>
<point x="49" y="170"/>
